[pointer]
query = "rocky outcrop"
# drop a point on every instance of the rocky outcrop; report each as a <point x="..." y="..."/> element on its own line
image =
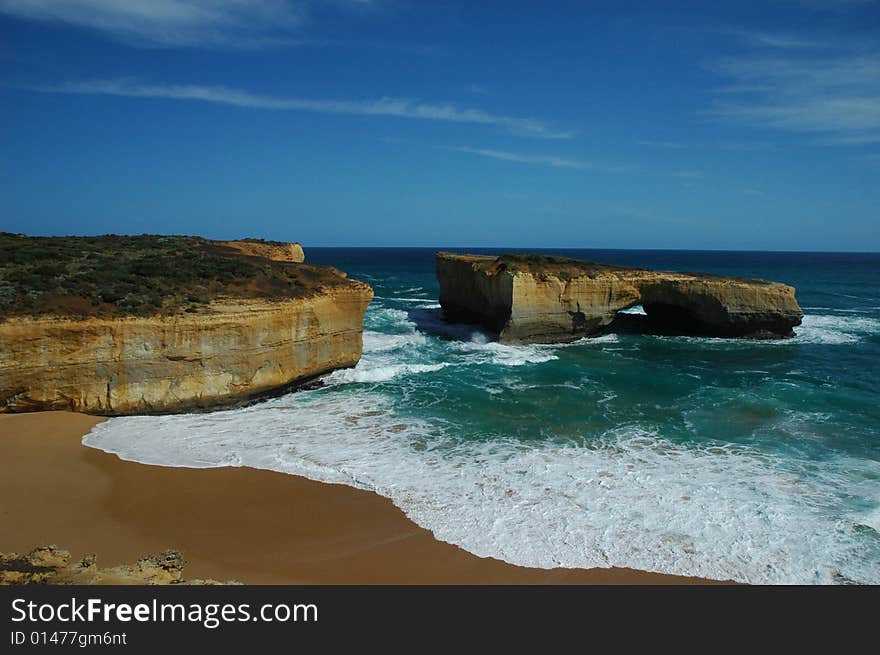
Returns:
<point x="270" y="250"/>
<point x="227" y="352"/>
<point x="540" y="299"/>
<point x="52" y="565"/>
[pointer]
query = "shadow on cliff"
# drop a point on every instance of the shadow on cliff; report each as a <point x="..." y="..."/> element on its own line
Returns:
<point x="432" y="321"/>
<point x="669" y="321"/>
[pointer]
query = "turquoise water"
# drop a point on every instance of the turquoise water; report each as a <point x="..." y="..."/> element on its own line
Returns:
<point x="757" y="461"/>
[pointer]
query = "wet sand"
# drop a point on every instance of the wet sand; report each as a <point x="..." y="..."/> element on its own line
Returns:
<point x="254" y="526"/>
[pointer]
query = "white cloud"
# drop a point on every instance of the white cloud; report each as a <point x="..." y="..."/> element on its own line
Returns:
<point x="386" y="106"/>
<point x="833" y="94"/>
<point x="546" y="160"/>
<point x="783" y="41"/>
<point x="171" y="22"/>
<point x="669" y="145"/>
<point x="543" y="160"/>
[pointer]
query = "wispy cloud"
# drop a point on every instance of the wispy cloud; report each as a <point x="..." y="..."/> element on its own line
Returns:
<point x="689" y="175"/>
<point x="736" y="146"/>
<point x="239" y="24"/>
<point x="385" y="106"/>
<point x="830" y="93"/>
<point x="542" y="160"/>
<point x="669" y="145"/>
<point x="212" y="23"/>
<point x="785" y="41"/>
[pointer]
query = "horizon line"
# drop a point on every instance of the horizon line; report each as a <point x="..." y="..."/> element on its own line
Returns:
<point x="440" y="248"/>
<point x="451" y="247"/>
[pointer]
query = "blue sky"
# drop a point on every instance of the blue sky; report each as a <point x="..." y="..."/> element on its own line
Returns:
<point x="743" y="125"/>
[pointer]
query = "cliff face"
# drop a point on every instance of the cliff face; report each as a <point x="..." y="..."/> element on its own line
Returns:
<point x="274" y="252"/>
<point x="470" y="296"/>
<point x="534" y="299"/>
<point x="231" y="350"/>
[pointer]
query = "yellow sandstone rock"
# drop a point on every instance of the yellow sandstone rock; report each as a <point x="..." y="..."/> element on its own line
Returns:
<point x="228" y="352"/>
<point x="539" y="299"/>
<point x="275" y="252"/>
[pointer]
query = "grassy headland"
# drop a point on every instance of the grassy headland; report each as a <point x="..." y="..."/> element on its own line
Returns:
<point x="113" y="275"/>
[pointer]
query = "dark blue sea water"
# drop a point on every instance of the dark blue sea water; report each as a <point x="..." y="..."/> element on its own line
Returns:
<point x="757" y="461"/>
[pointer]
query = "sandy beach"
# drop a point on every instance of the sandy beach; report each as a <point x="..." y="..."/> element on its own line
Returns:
<point x="254" y="526"/>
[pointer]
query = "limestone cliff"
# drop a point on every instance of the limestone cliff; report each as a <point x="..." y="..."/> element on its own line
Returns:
<point x="229" y="351"/>
<point x="273" y="251"/>
<point x="153" y="323"/>
<point x="539" y="299"/>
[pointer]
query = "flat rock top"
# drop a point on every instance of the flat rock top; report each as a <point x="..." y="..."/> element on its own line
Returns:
<point x="532" y="263"/>
<point x="148" y="275"/>
<point x="568" y="268"/>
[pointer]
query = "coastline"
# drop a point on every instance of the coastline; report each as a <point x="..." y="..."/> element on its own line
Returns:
<point x="236" y="523"/>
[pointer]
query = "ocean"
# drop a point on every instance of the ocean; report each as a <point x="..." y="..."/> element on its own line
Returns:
<point x="757" y="461"/>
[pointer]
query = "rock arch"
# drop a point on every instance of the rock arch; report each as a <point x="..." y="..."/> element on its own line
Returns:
<point x="539" y="299"/>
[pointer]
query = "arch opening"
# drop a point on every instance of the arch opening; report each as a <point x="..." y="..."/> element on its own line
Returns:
<point x="666" y="319"/>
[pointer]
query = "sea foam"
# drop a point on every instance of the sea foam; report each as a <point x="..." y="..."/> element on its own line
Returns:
<point x="833" y="330"/>
<point x="630" y="498"/>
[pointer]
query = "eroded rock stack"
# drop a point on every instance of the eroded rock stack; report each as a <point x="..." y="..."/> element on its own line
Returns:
<point x="540" y="299"/>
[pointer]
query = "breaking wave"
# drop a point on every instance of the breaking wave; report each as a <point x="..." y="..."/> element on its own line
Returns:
<point x="629" y="498"/>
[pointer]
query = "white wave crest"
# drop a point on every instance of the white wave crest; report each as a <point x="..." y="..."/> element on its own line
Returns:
<point x="485" y="351"/>
<point x="382" y="341"/>
<point x="396" y="299"/>
<point x="871" y="520"/>
<point x="830" y="329"/>
<point x="380" y="373"/>
<point x="393" y="348"/>
<point x="592" y="341"/>
<point x="638" y="309"/>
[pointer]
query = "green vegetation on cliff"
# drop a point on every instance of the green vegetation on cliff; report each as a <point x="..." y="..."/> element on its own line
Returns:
<point x="566" y="268"/>
<point x="139" y="275"/>
<point x="561" y="267"/>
